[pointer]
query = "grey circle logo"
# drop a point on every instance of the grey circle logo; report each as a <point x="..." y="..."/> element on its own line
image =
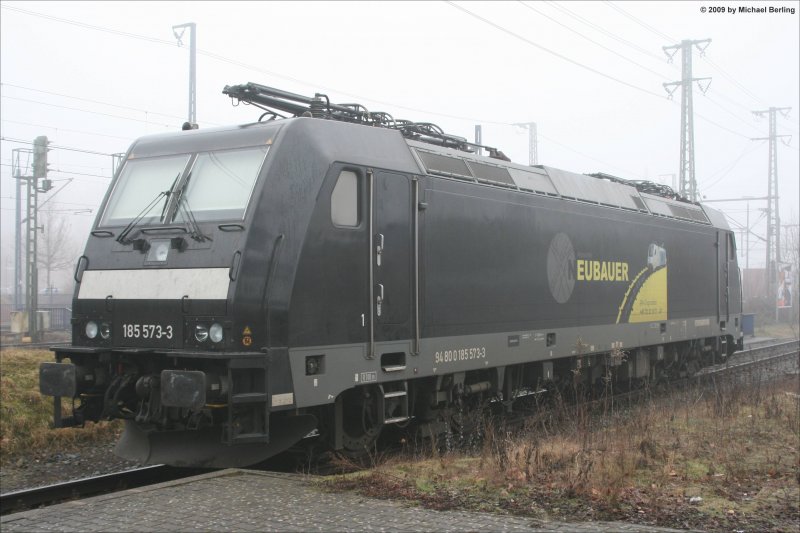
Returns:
<point x="561" y="267"/>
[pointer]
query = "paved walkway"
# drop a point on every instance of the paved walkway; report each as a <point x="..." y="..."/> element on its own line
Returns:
<point x="244" y="500"/>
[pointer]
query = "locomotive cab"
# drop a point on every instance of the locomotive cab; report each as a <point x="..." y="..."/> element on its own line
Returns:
<point x="168" y="330"/>
<point x="202" y="273"/>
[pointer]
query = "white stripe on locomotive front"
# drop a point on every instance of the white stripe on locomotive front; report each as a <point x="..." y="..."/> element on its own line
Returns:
<point x="156" y="284"/>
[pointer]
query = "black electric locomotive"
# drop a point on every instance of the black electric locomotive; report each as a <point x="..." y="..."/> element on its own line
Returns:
<point x="340" y="272"/>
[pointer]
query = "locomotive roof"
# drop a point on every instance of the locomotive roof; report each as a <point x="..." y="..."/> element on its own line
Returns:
<point x="354" y="140"/>
<point x="217" y="138"/>
<point x="447" y="155"/>
<point x="549" y="181"/>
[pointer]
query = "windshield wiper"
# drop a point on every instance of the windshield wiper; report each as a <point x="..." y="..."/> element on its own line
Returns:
<point x="122" y="237"/>
<point x="194" y="228"/>
<point x="183" y="208"/>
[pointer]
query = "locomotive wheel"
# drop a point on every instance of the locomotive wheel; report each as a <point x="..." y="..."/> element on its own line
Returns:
<point x="692" y="367"/>
<point x="362" y="423"/>
<point x="464" y="419"/>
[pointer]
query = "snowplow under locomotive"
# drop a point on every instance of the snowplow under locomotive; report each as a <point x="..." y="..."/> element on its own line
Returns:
<point x="339" y="272"/>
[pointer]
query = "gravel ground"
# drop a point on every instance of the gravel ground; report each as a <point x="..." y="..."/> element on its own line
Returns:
<point x="37" y="470"/>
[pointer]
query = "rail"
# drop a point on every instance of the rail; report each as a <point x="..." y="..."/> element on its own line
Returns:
<point x="21" y="500"/>
<point x="31" y="498"/>
<point x="758" y="355"/>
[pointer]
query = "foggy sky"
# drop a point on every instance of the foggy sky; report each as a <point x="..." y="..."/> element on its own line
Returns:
<point x="96" y="75"/>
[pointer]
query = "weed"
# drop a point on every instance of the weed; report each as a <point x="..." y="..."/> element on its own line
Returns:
<point x="26" y="416"/>
<point x="735" y="444"/>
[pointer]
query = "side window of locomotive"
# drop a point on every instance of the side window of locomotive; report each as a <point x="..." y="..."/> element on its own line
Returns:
<point x="139" y="186"/>
<point x="344" y="201"/>
<point x="220" y="184"/>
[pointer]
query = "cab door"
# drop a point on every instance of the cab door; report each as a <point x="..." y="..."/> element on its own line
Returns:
<point x="734" y="281"/>
<point x="391" y="256"/>
<point x="724" y="252"/>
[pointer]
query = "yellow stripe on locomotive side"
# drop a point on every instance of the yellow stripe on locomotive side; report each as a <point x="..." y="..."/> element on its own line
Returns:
<point x="651" y="300"/>
<point x="628" y="293"/>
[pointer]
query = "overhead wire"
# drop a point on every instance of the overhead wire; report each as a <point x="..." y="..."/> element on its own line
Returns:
<point x="71" y="173"/>
<point x="732" y="79"/>
<point x="79" y="204"/>
<point x="628" y="59"/>
<point x="171" y="126"/>
<point x="731" y="113"/>
<point x="746" y="108"/>
<point x="727" y="169"/>
<point x="67" y="172"/>
<point x="240" y="64"/>
<point x="640" y="22"/>
<point x="58" y="147"/>
<point x="635" y="47"/>
<point x="473" y="119"/>
<point x="78" y="212"/>
<point x="571" y="149"/>
<point x="66" y="129"/>
<point x="85" y="25"/>
<point x="586" y="37"/>
<point x="549" y="51"/>
<point x="168" y="43"/>
<point x="609" y="34"/>
<point x="661" y="34"/>
<point x="90" y="100"/>
<point x="251" y="67"/>
<point x="743" y="89"/>
<point x="271" y="73"/>
<point x="591" y="69"/>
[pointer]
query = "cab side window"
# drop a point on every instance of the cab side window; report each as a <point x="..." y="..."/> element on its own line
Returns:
<point x="345" y="210"/>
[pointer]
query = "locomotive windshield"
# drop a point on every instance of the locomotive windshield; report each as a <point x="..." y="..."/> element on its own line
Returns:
<point x="139" y="184"/>
<point x="220" y="183"/>
<point x="213" y="185"/>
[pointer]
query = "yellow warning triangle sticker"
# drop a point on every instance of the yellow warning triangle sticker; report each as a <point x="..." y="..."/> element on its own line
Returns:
<point x="247" y="331"/>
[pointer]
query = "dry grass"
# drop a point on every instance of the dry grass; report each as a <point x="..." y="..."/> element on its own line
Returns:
<point x="26" y="416"/>
<point x="735" y="446"/>
<point x="778" y="331"/>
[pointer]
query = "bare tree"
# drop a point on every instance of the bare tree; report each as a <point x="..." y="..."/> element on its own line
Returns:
<point x="56" y="248"/>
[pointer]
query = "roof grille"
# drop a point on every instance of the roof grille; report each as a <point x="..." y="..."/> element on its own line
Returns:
<point x="443" y="163"/>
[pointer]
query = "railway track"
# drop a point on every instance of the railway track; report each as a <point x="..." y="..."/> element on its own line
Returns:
<point x="773" y="360"/>
<point x="755" y="357"/>
<point x="12" y="502"/>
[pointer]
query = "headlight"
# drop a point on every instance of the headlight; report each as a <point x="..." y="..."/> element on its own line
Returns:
<point x="215" y="332"/>
<point x="105" y="330"/>
<point x="200" y="333"/>
<point x="91" y="329"/>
